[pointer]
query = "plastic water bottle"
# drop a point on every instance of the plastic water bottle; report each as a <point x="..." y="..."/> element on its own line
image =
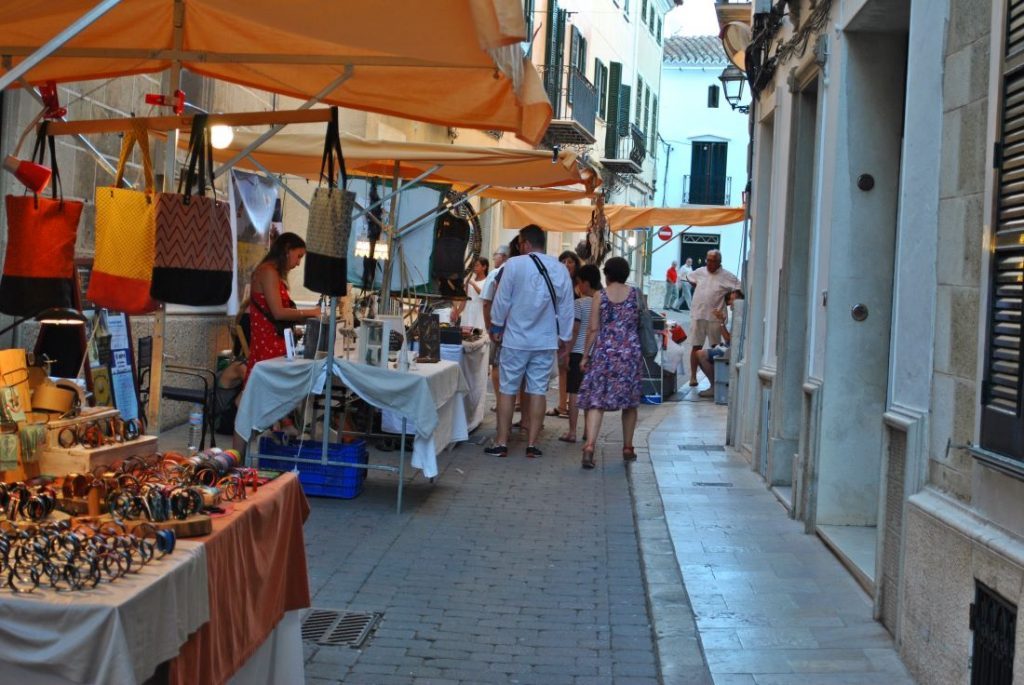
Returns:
<point x="195" y="428"/>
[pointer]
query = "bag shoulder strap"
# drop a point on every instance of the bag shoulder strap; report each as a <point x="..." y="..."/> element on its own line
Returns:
<point x="551" y="289"/>
<point x="138" y="133"/>
<point x="333" y="155"/>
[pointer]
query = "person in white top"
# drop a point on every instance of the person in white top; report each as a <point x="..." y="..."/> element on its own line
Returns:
<point x="683" y="293"/>
<point x="532" y="317"/>
<point x="473" y="309"/>
<point x="588" y="282"/>
<point x="498" y="259"/>
<point x="712" y="283"/>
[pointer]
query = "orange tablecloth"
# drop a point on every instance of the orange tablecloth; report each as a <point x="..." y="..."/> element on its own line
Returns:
<point x="256" y="564"/>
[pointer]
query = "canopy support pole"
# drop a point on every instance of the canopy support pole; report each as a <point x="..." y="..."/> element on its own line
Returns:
<point x="156" y="372"/>
<point x="392" y="234"/>
<point x="275" y="129"/>
<point x="434" y="213"/>
<point x="669" y="241"/>
<point x="57" y="41"/>
<point x="408" y="185"/>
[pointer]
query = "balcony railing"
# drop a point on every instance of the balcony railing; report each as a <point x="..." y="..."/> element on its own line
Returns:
<point x="628" y="154"/>
<point x="574" y="101"/>
<point x="705" y="189"/>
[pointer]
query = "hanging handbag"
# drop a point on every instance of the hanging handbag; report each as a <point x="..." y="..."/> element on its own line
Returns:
<point x="330" y="221"/>
<point x="125" y="236"/>
<point x="645" y="327"/>
<point x="39" y="264"/>
<point x="192" y="261"/>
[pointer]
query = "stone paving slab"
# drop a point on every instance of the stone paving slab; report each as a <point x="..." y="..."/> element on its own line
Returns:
<point x="772" y="605"/>
<point x="502" y="571"/>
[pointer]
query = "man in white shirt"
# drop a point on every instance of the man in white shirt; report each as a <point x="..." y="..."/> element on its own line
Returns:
<point x="712" y="283"/>
<point x="531" y="316"/>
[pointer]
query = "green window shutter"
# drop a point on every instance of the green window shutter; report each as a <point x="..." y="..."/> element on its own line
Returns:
<point x="528" y="15"/>
<point x="643" y="12"/>
<point x="611" y="136"/>
<point x="639" y="102"/>
<point x="623" y="117"/>
<point x="555" y="43"/>
<point x="647" y="111"/>
<point x="652" y="148"/>
<point x="657" y="32"/>
<point x="600" y="87"/>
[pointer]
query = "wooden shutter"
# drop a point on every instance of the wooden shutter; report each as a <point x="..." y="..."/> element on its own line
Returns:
<point x="657" y="32"/>
<point x="639" y="102"/>
<point x="555" y="49"/>
<point x="1002" y="427"/>
<point x="643" y="12"/>
<point x="611" y="135"/>
<point x="600" y="87"/>
<point x="646" y="124"/>
<point x="623" y="118"/>
<point x="654" y="126"/>
<point x="528" y="15"/>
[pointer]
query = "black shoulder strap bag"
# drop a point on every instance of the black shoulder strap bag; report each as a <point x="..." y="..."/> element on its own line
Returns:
<point x="551" y="289"/>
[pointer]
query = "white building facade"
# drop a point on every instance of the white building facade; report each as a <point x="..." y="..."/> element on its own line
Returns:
<point x="879" y="388"/>
<point x="703" y="146"/>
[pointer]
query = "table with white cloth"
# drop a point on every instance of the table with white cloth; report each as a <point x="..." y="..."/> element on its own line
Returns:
<point x="428" y="396"/>
<point x="114" y="633"/>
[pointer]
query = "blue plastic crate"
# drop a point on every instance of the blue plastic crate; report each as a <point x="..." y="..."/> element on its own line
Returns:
<point x="333" y="479"/>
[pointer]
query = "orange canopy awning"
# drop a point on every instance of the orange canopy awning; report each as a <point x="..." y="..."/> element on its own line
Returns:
<point x="575" y="218"/>
<point x="448" y="62"/>
<point x="299" y="154"/>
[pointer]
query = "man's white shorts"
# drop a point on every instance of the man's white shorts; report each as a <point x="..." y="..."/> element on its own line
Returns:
<point x="536" y="365"/>
<point x="705" y="330"/>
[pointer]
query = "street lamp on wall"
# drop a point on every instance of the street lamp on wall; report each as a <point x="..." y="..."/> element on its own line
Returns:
<point x="733" y="80"/>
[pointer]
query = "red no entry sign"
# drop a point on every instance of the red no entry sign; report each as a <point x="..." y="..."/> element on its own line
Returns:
<point x="665" y="233"/>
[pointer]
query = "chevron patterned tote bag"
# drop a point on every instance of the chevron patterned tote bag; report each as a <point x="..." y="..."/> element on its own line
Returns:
<point x="39" y="266"/>
<point x="125" y="222"/>
<point x="192" y="264"/>
<point x="330" y="221"/>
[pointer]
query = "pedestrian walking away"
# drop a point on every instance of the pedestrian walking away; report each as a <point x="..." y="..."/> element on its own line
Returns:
<point x="588" y="282"/>
<point x="531" y="315"/>
<point x="612" y="360"/>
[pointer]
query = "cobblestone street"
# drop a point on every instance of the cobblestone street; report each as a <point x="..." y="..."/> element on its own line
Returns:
<point x="533" y="571"/>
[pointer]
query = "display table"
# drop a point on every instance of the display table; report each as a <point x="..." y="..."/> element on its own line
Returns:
<point x="256" y="565"/>
<point x="423" y="395"/>
<point x="108" y="634"/>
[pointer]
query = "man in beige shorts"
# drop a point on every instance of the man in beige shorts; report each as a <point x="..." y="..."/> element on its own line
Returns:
<point x="711" y="284"/>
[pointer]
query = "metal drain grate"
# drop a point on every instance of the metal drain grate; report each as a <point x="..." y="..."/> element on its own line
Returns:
<point x="702" y="448"/>
<point x="711" y="484"/>
<point x="330" y="627"/>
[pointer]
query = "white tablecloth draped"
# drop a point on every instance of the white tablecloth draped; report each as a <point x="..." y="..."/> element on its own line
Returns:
<point x="114" y="633"/>
<point x="275" y="386"/>
<point x="475" y="365"/>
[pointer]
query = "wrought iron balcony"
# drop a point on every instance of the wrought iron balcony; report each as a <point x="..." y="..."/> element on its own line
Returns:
<point x="706" y="189"/>
<point x="574" y="101"/>
<point x="628" y="154"/>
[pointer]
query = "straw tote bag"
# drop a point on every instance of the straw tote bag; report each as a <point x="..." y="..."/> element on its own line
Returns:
<point x="39" y="264"/>
<point x="192" y="264"/>
<point x="125" y="227"/>
<point x="330" y="221"/>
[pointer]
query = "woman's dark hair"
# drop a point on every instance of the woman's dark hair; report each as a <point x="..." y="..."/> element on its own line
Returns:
<point x="487" y="264"/>
<point x="737" y="292"/>
<point x="278" y="252"/>
<point x="572" y="257"/>
<point x="616" y="270"/>
<point x="513" y="248"/>
<point x="590" y="274"/>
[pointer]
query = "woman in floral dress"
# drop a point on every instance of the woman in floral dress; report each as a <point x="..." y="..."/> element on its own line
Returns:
<point x="612" y="361"/>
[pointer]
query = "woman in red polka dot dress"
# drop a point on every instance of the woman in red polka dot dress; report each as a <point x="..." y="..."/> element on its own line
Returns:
<point x="269" y="295"/>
